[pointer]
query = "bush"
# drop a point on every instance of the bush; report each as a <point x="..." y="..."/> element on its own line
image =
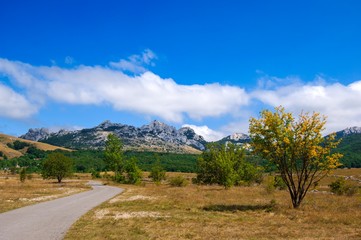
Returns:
<point x="134" y="174"/>
<point x="226" y="165"/>
<point x="279" y="183"/>
<point x="340" y="187"/>
<point x="157" y="173"/>
<point x="271" y="183"/>
<point x="95" y="174"/>
<point x="22" y="175"/>
<point x="178" y="181"/>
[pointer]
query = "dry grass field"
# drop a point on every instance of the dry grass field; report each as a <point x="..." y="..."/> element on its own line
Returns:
<point x="209" y="212"/>
<point x="15" y="194"/>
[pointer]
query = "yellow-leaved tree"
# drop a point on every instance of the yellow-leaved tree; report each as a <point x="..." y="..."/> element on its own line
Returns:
<point x="297" y="148"/>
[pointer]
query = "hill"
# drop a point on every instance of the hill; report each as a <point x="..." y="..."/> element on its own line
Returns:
<point x="156" y="137"/>
<point x="350" y="146"/>
<point x="11" y="153"/>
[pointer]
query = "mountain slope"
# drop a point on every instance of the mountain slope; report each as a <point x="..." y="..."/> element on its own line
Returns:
<point x="155" y="136"/>
<point x="350" y="146"/>
<point x="11" y="153"/>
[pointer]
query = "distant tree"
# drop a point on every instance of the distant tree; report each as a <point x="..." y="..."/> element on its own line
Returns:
<point x="113" y="157"/>
<point x="57" y="166"/>
<point x="297" y="148"/>
<point x="157" y="173"/>
<point x="18" y="145"/>
<point x="225" y="165"/>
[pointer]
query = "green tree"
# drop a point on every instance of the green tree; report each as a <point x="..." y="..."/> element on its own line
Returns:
<point x="297" y="148"/>
<point x="113" y="156"/>
<point x="157" y="173"/>
<point x="134" y="174"/>
<point x="225" y="165"/>
<point x="58" y="166"/>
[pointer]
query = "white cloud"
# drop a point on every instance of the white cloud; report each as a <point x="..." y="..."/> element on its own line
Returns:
<point x="13" y="105"/>
<point x="340" y="103"/>
<point x="206" y="132"/>
<point x="146" y="93"/>
<point x="136" y="63"/>
<point x="149" y="94"/>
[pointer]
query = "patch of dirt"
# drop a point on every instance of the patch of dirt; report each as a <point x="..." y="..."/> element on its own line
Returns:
<point x="132" y="198"/>
<point x="127" y="215"/>
<point x="103" y="213"/>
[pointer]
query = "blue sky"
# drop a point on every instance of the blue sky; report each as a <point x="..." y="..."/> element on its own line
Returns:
<point x="206" y="64"/>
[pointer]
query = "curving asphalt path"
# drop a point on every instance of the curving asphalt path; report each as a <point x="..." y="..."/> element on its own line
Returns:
<point x="51" y="220"/>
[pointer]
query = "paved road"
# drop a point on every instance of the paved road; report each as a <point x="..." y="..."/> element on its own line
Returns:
<point x="51" y="220"/>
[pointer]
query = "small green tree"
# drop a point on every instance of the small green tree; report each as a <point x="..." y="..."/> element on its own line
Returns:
<point x="157" y="173"/>
<point x="134" y="174"/>
<point x="113" y="157"/>
<point x="22" y="174"/>
<point x="225" y="165"/>
<point x="57" y="166"/>
<point x="297" y="148"/>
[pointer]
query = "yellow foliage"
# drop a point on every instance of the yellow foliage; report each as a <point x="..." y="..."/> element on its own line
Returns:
<point x="297" y="148"/>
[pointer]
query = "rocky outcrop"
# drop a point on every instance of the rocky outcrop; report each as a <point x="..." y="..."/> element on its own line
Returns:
<point x="236" y="138"/>
<point x="36" y="134"/>
<point x="349" y="131"/>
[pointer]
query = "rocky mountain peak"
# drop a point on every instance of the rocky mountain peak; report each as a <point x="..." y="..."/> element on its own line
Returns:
<point x="35" y="134"/>
<point x="238" y="136"/>
<point x="351" y="130"/>
<point x="158" y="127"/>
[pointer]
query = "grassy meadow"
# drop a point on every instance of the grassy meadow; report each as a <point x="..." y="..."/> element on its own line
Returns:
<point x="151" y="211"/>
<point x="15" y="194"/>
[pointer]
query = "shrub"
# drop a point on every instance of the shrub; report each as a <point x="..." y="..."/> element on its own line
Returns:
<point x="22" y="175"/>
<point x="271" y="183"/>
<point x="178" y="181"/>
<point x="340" y="187"/>
<point x="95" y="174"/>
<point x="279" y="183"/>
<point x="157" y="173"/>
<point x="226" y="165"/>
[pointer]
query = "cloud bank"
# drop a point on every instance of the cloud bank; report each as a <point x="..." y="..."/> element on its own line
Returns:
<point x="145" y="93"/>
<point x="25" y="89"/>
<point x="14" y="105"/>
<point x="340" y="103"/>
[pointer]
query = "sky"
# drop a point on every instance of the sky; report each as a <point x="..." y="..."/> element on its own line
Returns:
<point x="210" y="65"/>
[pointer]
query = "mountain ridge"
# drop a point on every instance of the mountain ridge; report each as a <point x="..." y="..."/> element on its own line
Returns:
<point x="155" y="136"/>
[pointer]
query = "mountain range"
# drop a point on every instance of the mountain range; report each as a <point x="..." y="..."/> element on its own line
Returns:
<point x="156" y="136"/>
<point x="160" y="137"/>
